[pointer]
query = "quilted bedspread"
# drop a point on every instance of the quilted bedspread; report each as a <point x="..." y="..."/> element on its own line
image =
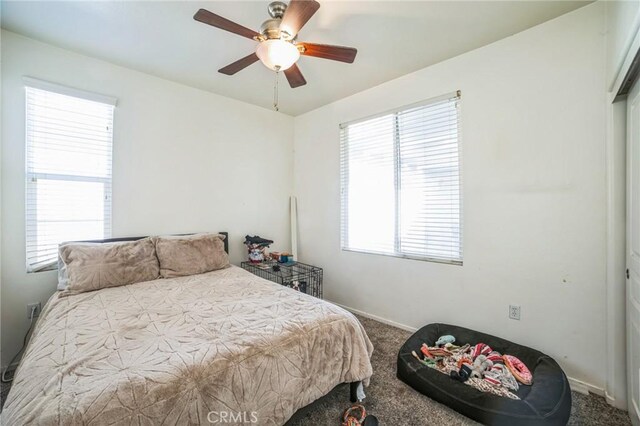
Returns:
<point x="225" y="345"/>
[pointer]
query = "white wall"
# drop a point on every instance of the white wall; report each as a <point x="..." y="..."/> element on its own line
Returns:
<point x="183" y="160"/>
<point x="533" y="129"/>
<point x="623" y="19"/>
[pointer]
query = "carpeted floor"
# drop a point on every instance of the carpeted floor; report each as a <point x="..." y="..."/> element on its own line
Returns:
<point x="4" y="391"/>
<point x="395" y="403"/>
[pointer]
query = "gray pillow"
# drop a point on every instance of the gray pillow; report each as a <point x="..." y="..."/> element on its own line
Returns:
<point x="191" y="254"/>
<point x="63" y="277"/>
<point x="93" y="266"/>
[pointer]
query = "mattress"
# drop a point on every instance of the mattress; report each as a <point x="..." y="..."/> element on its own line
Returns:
<point x="188" y="350"/>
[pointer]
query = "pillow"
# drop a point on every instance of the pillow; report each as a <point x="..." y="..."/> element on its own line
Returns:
<point x="92" y="266"/>
<point x="190" y="254"/>
<point x="63" y="277"/>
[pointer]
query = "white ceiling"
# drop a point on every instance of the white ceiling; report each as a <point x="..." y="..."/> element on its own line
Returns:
<point x="393" y="38"/>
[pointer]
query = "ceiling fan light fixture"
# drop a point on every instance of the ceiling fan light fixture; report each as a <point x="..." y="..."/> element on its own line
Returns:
<point x="277" y="54"/>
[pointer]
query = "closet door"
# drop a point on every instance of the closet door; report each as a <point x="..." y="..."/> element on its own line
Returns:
<point x="633" y="252"/>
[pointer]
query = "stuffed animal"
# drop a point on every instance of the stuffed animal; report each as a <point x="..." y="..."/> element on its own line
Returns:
<point x="429" y="362"/>
<point x="480" y="365"/>
<point x="500" y="375"/>
<point x="445" y="339"/>
<point x="518" y="369"/>
<point x="463" y="374"/>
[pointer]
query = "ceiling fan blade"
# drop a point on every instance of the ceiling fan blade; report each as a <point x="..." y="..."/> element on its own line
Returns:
<point x="297" y="14"/>
<point x="239" y="65"/>
<point x="217" y="21"/>
<point x="294" y="76"/>
<point x="327" y="51"/>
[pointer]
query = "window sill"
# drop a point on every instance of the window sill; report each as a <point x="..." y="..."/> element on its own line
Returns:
<point x="49" y="268"/>
<point x="409" y="257"/>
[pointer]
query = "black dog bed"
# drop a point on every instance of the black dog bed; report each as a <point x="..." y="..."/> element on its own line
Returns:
<point x="546" y="402"/>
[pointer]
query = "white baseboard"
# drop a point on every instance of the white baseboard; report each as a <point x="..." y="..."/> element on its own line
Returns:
<point x="635" y="414"/>
<point x="377" y="318"/>
<point x="586" y="388"/>
<point x="619" y="403"/>
<point x="575" y="384"/>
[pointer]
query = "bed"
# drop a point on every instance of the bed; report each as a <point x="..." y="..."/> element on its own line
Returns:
<point x="199" y="349"/>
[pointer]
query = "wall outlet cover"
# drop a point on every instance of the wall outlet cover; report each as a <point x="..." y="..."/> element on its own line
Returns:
<point x="514" y="312"/>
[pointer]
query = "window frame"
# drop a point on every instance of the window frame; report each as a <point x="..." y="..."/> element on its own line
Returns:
<point x="344" y="155"/>
<point x="31" y="177"/>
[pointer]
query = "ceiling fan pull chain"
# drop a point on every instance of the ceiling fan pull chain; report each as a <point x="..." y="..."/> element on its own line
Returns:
<point x="275" y="91"/>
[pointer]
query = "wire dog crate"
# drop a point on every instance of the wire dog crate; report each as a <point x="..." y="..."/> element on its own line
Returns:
<point x="298" y="276"/>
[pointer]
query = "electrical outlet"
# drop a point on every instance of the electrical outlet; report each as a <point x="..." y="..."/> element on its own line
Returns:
<point x="37" y="312"/>
<point x="514" y="312"/>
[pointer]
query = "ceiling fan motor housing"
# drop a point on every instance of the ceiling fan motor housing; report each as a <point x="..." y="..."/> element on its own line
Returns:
<point x="270" y="29"/>
<point x="276" y="9"/>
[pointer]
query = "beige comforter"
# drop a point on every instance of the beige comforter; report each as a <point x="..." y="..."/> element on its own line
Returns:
<point x="189" y="350"/>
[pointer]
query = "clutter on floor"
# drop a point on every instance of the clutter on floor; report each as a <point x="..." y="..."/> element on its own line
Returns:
<point x="356" y="415"/>
<point x="478" y="366"/>
<point x="486" y="378"/>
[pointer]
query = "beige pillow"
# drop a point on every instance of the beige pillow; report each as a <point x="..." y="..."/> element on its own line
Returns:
<point x="92" y="266"/>
<point x="191" y="254"/>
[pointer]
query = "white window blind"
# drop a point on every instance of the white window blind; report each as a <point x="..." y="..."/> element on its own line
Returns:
<point x="400" y="182"/>
<point x="68" y="170"/>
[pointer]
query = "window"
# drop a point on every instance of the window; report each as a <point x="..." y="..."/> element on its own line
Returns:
<point x="400" y="182"/>
<point x="68" y="169"/>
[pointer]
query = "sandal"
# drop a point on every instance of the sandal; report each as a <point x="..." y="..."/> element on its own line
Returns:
<point x="356" y="415"/>
<point x="350" y="419"/>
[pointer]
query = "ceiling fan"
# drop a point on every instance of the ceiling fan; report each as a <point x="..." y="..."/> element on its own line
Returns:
<point x="278" y="48"/>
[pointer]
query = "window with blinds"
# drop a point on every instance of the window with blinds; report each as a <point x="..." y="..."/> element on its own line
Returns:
<point x="400" y="182"/>
<point x="68" y="169"/>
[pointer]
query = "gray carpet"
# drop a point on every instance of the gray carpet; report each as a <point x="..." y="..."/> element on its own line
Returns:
<point x="395" y="403"/>
<point x="4" y="391"/>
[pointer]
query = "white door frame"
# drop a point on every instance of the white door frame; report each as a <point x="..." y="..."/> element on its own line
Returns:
<point x="633" y="253"/>
<point x="616" y="377"/>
